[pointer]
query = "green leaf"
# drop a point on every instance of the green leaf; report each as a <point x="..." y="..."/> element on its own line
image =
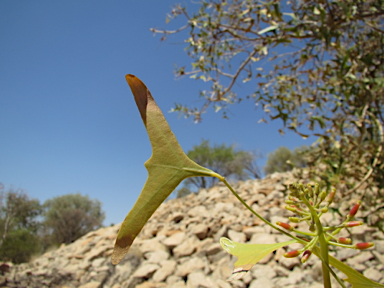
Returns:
<point x="248" y="254"/>
<point x="268" y="29"/>
<point x="357" y="279"/>
<point x="167" y="167"/>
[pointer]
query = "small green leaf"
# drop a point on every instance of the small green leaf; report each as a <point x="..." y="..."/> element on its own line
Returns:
<point x="248" y="254"/>
<point x="167" y="167"/>
<point x="268" y="29"/>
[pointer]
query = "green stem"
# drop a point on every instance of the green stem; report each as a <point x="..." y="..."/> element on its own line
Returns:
<point x="323" y="244"/>
<point x="258" y="215"/>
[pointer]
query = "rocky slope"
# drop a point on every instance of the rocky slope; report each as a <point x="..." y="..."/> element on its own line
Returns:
<point x="179" y="247"/>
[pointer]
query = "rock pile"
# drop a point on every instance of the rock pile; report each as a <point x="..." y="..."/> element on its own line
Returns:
<point x="179" y="247"/>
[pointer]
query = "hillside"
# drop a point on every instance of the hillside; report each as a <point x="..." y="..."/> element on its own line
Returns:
<point x="179" y="247"/>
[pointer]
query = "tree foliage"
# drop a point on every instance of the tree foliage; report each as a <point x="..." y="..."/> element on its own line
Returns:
<point x="316" y="65"/>
<point x="223" y="159"/>
<point x="283" y="159"/>
<point x="70" y="216"/>
<point x="18" y="225"/>
<point x="183" y="191"/>
<point x="20" y="245"/>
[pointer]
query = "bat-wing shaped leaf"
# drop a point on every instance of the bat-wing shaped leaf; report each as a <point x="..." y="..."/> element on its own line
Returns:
<point x="248" y="254"/>
<point x="167" y="167"/>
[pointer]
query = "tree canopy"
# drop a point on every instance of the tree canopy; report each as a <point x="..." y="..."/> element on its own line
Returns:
<point x="316" y="65"/>
<point x="224" y="159"/>
<point x="19" y="225"/>
<point x="71" y="216"/>
<point x="283" y="159"/>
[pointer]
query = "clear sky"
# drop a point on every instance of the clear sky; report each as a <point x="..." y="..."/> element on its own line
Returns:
<point x="68" y="120"/>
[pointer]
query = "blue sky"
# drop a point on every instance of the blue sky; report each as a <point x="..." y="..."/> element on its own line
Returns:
<point x="68" y="121"/>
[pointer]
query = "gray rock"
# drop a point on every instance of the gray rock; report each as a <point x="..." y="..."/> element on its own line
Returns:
<point x="157" y="256"/>
<point x="263" y="238"/>
<point x="91" y="285"/>
<point x="361" y="258"/>
<point x="236" y="236"/>
<point x="200" y="230"/>
<point x="173" y="279"/>
<point x="198" y="279"/>
<point x="373" y="274"/>
<point x="214" y="249"/>
<point x="190" y="265"/>
<point x="259" y="271"/>
<point x="174" y="240"/>
<point x="289" y="263"/>
<point x="146" y="270"/>
<point x="150" y="245"/>
<point x="262" y="282"/>
<point x="187" y="247"/>
<point x="198" y="211"/>
<point x="167" y="269"/>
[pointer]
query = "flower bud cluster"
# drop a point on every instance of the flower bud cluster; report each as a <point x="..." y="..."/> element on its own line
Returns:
<point x="309" y="203"/>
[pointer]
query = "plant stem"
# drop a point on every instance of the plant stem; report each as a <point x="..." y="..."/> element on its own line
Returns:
<point x="323" y="244"/>
<point x="258" y="215"/>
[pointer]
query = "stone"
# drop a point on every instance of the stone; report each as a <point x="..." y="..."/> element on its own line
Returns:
<point x="379" y="246"/>
<point x="236" y="236"/>
<point x="197" y="279"/>
<point x="262" y="282"/>
<point x="344" y="254"/>
<point x="379" y="257"/>
<point x="167" y="269"/>
<point x="200" y="230"/>
<point x="289" y="263"/>
<point x="192" y="264"/>
<point x="361" y="258"/>
<point x="222" y="284"/>
<point x="178" y="284"/>
<point x="187" y="247"/>
<point x="174" y="240"/>
<point x="222" y="232"/>
<point x="177" y="217"/>
<point x="146" y="270"/>
<point x="91" y="285"/>
<point x="157" y="256"/>
<point x="263" y="238"/>
<point x="173" y="279"/>
<point x="198" y="211"/>
<point x="296" y="276"/>
<point x="373" y="274"/>
<point x="259" y="271"/>
<point x="214" y="248"/>
<point x="147" y="284"/>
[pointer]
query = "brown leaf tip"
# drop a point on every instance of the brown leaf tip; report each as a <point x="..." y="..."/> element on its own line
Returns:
<point x="141" y="94"/>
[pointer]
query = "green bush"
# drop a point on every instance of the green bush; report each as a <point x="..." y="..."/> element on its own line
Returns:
<point x="19" y="246"/>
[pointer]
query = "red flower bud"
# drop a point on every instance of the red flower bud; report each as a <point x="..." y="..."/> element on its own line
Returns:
<point x="343" y="240"/>
<point x="331" y="196"/>
<point x="362" y="246"/>
<point x="354" y="209"/>
<point x="353" y="223"/>
<point x="292" y="254"/>
<point x="306" y="255"/>
<point x="285" y="225"/>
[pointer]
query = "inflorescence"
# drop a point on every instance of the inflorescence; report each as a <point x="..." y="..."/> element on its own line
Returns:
<point x="309" y="204"/>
